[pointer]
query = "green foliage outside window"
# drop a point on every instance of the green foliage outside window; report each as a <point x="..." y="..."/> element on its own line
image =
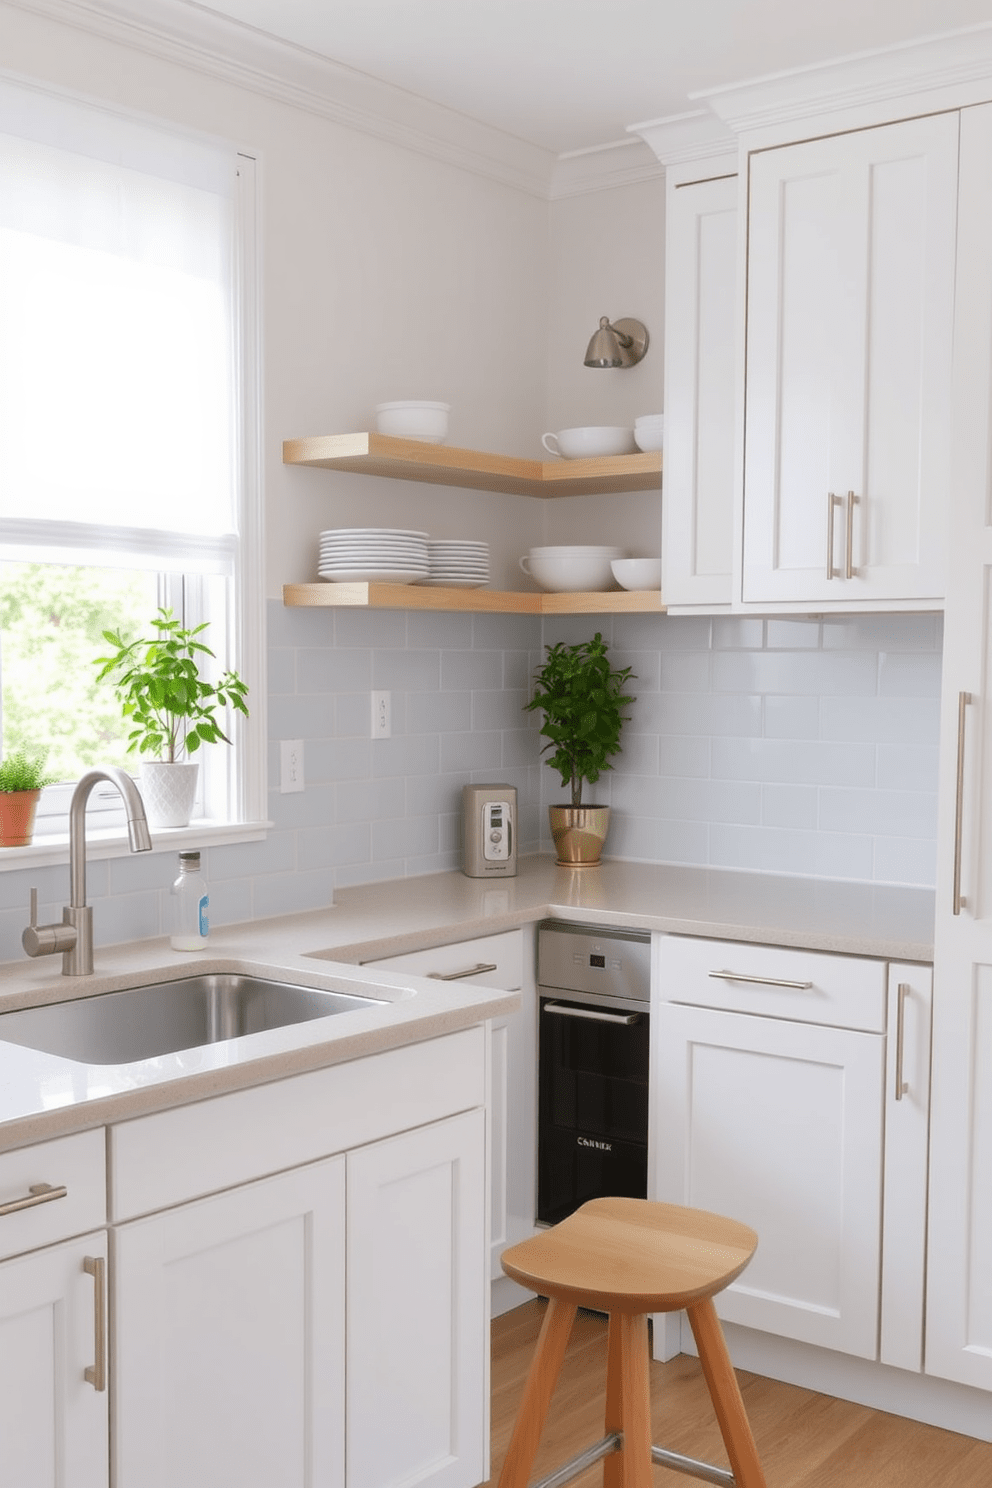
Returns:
<point x="52" y="619"/>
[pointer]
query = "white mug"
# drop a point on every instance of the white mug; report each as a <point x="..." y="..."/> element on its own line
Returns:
<point x="552" y="449"/>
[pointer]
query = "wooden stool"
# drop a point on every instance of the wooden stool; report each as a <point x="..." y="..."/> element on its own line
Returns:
<point x="629" y="1258"/>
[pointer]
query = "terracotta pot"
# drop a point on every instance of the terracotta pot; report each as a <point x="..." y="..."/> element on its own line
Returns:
<point x="17" y="810"/>
<point x="168" y="791"/>
<point x="579" y="833"/>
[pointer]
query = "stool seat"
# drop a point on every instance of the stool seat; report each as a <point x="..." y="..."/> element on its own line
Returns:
<point x="629" y="1258"/>
<point x="628" y="1255"/>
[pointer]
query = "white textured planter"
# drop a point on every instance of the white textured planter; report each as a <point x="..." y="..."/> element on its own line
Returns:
<point x="168" y="792"/>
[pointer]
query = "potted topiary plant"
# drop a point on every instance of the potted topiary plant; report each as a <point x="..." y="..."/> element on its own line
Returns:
<point x="581" y="696"/>
<point x="22" y="777"/>
<point x="173" y="710"/>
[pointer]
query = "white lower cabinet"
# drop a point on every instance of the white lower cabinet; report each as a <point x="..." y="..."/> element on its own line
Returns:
<point x="229" y="1337"/>
<point x="326" y="1325"/>
<point x="772" y="1108"/>
<point x="53" y="1419"/>
<point x="499" y="961"/>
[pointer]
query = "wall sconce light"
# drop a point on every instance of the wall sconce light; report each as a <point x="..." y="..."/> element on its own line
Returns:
<point x="620" y="343"/>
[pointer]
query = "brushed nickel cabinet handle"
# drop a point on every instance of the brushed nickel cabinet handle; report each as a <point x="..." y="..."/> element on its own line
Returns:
<point x="903" y="992"/>
<point x="96" y="1374"/>
<point x="740" y="976"/>
<point x="457" y="976"/>
<point x="849" y="568"/>
<point x="958" y="899"/>
<point x="38" y="1193"/>
<point x="832" y="502"/>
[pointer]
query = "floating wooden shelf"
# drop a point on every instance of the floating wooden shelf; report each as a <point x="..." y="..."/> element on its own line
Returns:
<point x="442" y="465"/>
<point x="427" y="597"/>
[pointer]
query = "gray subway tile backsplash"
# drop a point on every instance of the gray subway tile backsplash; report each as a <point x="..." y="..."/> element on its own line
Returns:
<point x="786" y="744"/>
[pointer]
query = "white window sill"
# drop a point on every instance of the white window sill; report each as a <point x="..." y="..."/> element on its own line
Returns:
<point x="112" y="842"/>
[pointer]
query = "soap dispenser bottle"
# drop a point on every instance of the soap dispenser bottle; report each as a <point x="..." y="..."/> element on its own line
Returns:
<point x="190" y="900"/>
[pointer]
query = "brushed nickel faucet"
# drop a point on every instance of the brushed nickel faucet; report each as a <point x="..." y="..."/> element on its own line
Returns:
<point x="74" y="936"/>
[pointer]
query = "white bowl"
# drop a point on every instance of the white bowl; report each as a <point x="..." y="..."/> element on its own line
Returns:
<point x="637" y="573"/>
<point x="590" y="440"/>
<point x="649" y="433"/>
<point x="410" y="419"/>
<point x="574" y="573"/>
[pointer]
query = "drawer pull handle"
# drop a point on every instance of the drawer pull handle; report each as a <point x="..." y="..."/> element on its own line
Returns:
<point x="740" y="976"/>
<point x="457" y="976"/>
<point x="833" y="501"/>
<point x="38" y="1193"/>
<point x="902" y="1086"/>
<point x="849" y="569"/>
<point x="96" y="1374"/>
<point x="591" y="1014"/>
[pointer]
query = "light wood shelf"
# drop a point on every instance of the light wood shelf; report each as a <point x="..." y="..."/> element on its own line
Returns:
<point x="502" y="602"/>
<point x="444" y="465"/>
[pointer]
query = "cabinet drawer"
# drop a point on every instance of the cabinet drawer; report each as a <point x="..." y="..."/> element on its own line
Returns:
<point x="172" y="1156"/>
<point x="488" y="961"/>
<point x="774" y="982"/>
<point x="77" y="1164"/>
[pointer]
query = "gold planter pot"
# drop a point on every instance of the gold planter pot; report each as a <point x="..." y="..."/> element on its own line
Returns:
<point x="579" y="833"/>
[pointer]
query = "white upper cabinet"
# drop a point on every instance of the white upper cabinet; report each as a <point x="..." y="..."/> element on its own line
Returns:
<point x="850" y="299"/>
<point x="701" y="260"/>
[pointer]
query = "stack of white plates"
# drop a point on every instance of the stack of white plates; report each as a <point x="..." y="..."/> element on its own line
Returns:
<point x="373" y="555"/>
<point x="456" y="563"/>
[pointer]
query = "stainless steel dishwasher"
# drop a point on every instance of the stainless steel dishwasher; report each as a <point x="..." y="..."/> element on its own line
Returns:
<point x="594" y="997"/>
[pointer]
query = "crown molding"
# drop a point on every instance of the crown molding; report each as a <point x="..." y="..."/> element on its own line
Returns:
<point x="933" y="71"/>
<point x="191" y="36"/>
<point x="683" y="139"/>
<point x="625" y="162"/>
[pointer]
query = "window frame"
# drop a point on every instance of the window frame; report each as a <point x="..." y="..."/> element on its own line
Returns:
<point x="246" y="819"/>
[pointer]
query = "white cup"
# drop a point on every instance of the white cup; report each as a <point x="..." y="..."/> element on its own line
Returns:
<point x="589" y="441"/>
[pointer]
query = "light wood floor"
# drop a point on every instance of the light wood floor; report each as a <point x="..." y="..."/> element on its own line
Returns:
<point x="805" y="1440"/>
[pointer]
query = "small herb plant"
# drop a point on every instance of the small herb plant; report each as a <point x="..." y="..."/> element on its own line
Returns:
<point x="581" y="696"/>
<point x="21" y="771"/>
<point x="161" y="691"/>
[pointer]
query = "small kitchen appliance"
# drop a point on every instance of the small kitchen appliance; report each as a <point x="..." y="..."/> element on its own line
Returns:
<point x="594" y="991"/>
<point x="489" y="831"/>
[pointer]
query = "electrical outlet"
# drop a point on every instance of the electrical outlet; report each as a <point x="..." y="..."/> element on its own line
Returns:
<point x="382" y="715"/>
<point x="290" y="765"/>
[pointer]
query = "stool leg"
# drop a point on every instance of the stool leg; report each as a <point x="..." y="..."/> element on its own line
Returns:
<point x="628" y="1402"/>
<point x="541" y="1380"/>
<point x="725" y="1394"/>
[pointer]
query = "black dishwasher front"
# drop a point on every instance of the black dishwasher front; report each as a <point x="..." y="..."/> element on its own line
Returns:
<point x="593" y="1037"/>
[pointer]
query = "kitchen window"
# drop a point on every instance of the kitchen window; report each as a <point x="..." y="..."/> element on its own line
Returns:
<point x="128" y="428"/>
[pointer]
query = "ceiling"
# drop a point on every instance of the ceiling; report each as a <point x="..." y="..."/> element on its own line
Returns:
<point x="570" y="75"/>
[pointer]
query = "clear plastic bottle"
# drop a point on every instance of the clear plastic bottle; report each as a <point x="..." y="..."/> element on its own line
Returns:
<point x="190" y="924"/>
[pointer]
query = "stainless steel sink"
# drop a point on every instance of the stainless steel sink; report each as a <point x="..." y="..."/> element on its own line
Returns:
<point x="166" y="1017"/>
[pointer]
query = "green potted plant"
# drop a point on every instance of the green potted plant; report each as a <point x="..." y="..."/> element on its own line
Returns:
<point x="173" y="710"/>
<point x="22" y="777"/>
<point x="582" y="698"/>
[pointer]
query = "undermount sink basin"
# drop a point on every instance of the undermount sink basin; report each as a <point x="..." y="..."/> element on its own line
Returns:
<point x="165" y="1017"/>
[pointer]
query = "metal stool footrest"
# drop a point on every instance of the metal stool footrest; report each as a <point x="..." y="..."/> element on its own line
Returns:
<point x="614" y="1442"/>
<point x="692" y="1467"/>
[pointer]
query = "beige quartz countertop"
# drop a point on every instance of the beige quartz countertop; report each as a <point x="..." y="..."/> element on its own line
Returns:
<point x="44" y="1095"/>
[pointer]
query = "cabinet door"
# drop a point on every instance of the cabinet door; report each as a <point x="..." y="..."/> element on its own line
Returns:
<point x="959" y="1277"/>
<point x="850" y="304"/>
<point x="498" y="961"/>
<point x="418" y="1309"/>
<point x="700" y="388"/>
<point x="229" y="1338"/>
<point x="53" y="1421"/>
<point x="779" y="1124"/>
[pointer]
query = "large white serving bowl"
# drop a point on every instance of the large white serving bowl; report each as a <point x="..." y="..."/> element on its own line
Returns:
<point x="413" y="419"/>
<point x="637" y="573"/>
<point x="590" y="440"/>
<point x="577" y="571"/>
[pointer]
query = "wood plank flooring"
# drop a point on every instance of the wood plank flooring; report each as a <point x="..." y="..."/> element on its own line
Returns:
<point x="805" y="1440"/>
